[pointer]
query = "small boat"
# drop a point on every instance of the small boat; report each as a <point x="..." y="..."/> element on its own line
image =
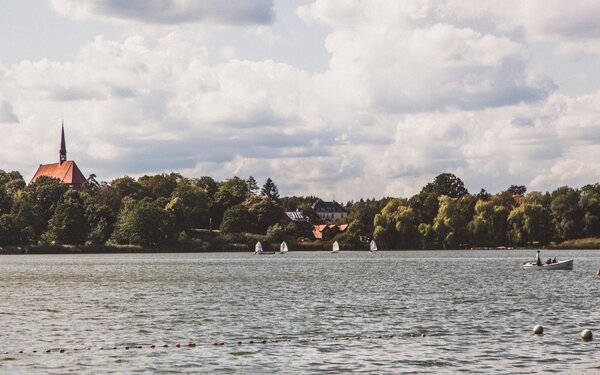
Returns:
<point x="283" y="248"/>
<point x="335" y="247"/>
<point x="562" y="265"/>
<point x="372" y="247"/>
<point x="258" y="250"/>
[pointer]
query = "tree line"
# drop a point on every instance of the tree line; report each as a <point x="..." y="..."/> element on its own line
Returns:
<point x="167" y="208"/>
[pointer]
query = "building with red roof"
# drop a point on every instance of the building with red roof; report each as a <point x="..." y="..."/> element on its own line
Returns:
<point x="65" y="170"/>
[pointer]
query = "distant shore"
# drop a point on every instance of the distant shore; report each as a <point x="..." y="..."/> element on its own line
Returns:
<point x="579" y="244"/>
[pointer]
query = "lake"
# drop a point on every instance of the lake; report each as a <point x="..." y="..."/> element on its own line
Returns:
<point x="411" y="312"/>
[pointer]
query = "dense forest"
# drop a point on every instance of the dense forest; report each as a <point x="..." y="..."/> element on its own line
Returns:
<point x="171" y="209"/>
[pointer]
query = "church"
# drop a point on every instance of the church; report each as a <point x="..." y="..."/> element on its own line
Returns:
<point x="65" y="170"/>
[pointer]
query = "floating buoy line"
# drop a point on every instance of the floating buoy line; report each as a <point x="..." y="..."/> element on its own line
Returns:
<point x="235" y="343"/>
<point x="586" y="335"/>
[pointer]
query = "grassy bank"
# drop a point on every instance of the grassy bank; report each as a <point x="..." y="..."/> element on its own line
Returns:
<point x="580" y="243"/>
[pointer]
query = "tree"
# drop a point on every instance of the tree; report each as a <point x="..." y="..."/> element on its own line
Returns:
<point x="237" y="219"/>
<point x="265" y="212"/>
<point x="517" y="189"/>
<point x="232" y="192"/>
<point x="450" y="224"/>
<point x="361" y="217"/>
<point x="252" y="186"/>
<point x="35" y="205"/>
<point x="9" y="231"/>
<point x="160" y="185"/>
<point x="128" y="187"/>
<point x="446" y="184"/>
<point x="590" y="205"/>
<point x="189" y="204"/>
<point x="269" y="190"/>
<point x="488" y="226"/>
<point x="566" y="213"/>
<point x="395" y="226"/>
<point x="528" y="224"/>
<point x="68" y="224"/>
<point x="425" y="206"/>
<point x="143" y="223"/>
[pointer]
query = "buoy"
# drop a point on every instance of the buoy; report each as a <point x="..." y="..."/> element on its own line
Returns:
<point x="422" y="335"/>
<point x="586" y="335"/>
<point x="538" y="330"/>
<point x="62" y="351"/>
<point x="152" y="346"/>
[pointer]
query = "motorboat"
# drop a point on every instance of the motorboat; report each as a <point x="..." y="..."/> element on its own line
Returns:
<point x="562" y="265"/>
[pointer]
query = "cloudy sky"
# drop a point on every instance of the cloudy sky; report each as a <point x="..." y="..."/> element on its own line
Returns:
<point x="337" y="98"/>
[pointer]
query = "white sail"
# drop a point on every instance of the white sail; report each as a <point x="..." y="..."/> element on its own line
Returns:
<point x="336" y="247"/>
<point x="258" y="248"/>
<point x="283" y="248"/>
<point x="373" y="246"/>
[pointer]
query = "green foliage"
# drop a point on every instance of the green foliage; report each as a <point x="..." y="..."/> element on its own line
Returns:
<point x="155" y="210"/>
<point x="231" y="192"/>
<point x="237" y="219"/>
<point x="269" y="190"/>
<point x="450" y="224"/>
<point x="189" y="204"/>
<point x="488" y="226"/>
<point x="589" y="203"/>
<point x="9" y="231"/>
<point x="143" y="223"/>
<point x="264" y="211"/>
<point x="395" y="226"/>
<point x="160" y="185"/>
<point x="68" y="224"/>
<point x="128" y="187"/>
<point x="566" y="213"/>
<point x="34" y="206"/>
<point x="446" y="184"/>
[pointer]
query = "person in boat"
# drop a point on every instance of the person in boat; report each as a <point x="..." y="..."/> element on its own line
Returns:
<point x="554" y="260"/>
<point x="538" y="261"/>
<point x="549" y="261"/>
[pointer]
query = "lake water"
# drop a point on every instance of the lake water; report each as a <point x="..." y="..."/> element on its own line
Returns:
<point x="436" y="312"/>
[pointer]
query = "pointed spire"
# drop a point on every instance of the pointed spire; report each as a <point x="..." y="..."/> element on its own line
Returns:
<point x="63" y="147"/>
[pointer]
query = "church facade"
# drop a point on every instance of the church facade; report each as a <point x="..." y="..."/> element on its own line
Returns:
<point x="65" y="170"/>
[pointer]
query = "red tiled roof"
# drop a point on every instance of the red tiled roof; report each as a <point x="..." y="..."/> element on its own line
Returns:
<point x="68" y="172"/>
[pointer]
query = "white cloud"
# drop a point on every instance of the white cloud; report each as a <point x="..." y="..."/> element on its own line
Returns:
<point x="413" y="89"/>
<point x="169" y="12"/>
<point x="7" y="113"/>
<point x="579" y="49"/>
<point x="267" y="34"/>
<point x="394" y="58"/>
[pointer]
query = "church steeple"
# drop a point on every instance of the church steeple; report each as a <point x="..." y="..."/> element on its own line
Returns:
<point x="63" y="147"/>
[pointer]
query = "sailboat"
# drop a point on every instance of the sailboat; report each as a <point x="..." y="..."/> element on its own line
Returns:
<point x="258" y="250"/>
<point x="372" y="247"/>
<point x="283" y="248"/>
<point x="335" y="247"/>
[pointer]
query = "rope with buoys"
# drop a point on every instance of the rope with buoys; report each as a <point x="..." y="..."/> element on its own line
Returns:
<point x="191" y="345"/>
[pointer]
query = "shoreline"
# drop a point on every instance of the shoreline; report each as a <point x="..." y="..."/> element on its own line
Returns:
<point x="56" y="250"/>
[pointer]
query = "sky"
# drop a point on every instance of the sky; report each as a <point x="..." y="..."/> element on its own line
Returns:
<point x="343" y="99"/>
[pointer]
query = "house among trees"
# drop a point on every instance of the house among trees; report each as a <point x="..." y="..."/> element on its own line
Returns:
<point x="326" y="232"/>
<point x="295" y="216"/>
<point x="329" y="211"/>
<point x="65" y="170"/>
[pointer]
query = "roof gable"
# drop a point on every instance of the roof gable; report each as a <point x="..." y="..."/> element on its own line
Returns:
<point x="67" y="172"/>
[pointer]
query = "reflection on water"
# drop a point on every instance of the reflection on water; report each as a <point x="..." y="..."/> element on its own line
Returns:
<point x="447" y="311"/>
